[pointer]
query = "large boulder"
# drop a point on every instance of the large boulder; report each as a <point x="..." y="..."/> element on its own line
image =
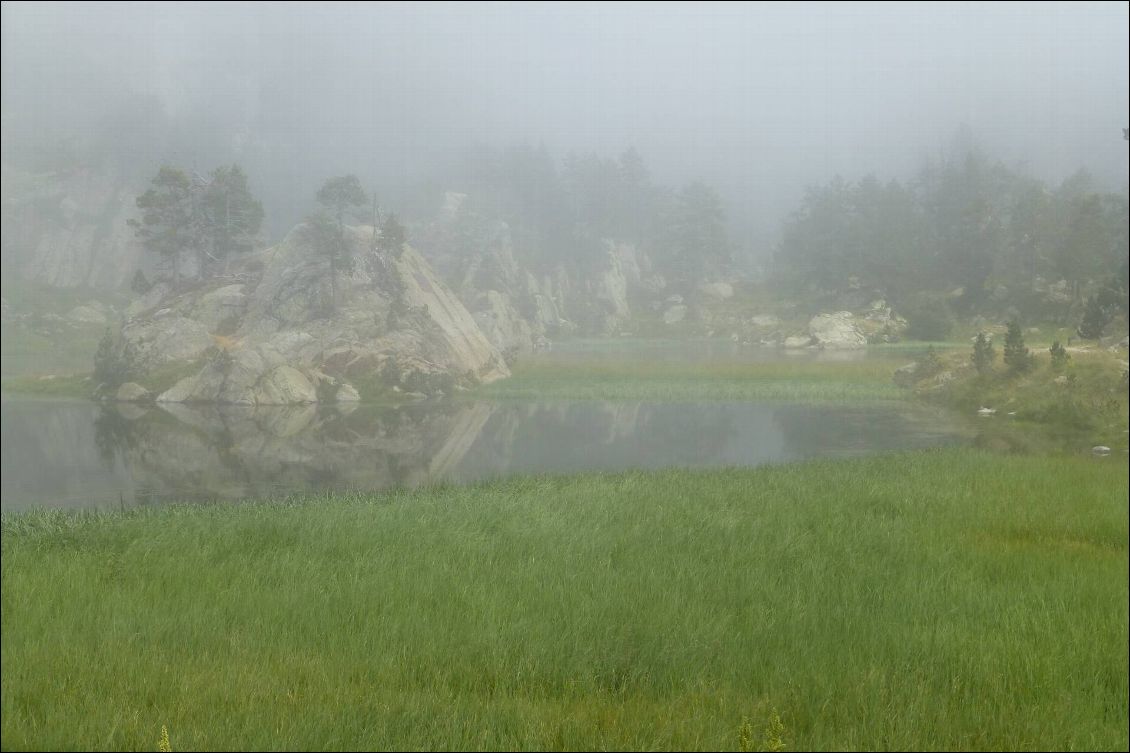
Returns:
<point x="609" y="287"/>
<point x="91" y="313"/>
<point x="717" y="290"/>
<point x="288" y="328"/>
<point x="908" y="375"/>
<point x="675" y="314"/>
<point x="347" y="393"/>
<point x="166" y="338"/>
<point x="765" y="321"/>
<point x="794" y="342"/>
<point x="220" y="306"/>
<point x="836" y="330"/>
<point x="285" y="385"/>
<point x="149" y="302"/>
<point x="132" y="392"/>
<point x="506" y="329"/>
<point x="246" y="377"/>
<point x="453" y="335"/>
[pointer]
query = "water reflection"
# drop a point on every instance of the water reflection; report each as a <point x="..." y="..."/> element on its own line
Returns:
<point x="77" y="454"/>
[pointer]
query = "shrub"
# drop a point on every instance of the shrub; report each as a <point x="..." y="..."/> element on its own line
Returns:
<point x="931" y="364"/>
<point x="116" y="362"/>
<point x="1059" y="356"/>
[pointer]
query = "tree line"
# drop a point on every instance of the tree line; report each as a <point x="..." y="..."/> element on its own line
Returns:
<point x="207" y="220"/>
<point x="967" y="229"/>
<point x="557" y="215"/>
<point x="561" y="214"/>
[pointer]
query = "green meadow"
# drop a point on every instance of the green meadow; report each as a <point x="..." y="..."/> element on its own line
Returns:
<point x="947" y="599"/>
<point x="645" y="376"/>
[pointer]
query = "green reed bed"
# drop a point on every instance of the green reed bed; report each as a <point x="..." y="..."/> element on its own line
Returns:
<point x="936" y="600"/>
<point x="594" y="378"/>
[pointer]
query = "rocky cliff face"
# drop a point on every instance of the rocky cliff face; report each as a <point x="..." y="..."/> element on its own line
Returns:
<point x="68" y="230"/>
<point x="520" y="307"/>
<point x="278" y="331"/>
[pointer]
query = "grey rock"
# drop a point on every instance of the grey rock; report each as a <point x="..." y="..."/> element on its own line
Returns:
<point x="132" y="392"/>
<point x="906" y="376"/>
<point x="347" y="393"/>
<point x="219" y="305"/>
<point x="717" y="290"/>
<point x="674" y="314"/>
<point x="87" y="315"/>
<point x="288" y="333"/>
<point x="765" y="320"/>
<point x="69" y="230"/>
<point x="797" y="341"/>
<point x="285" y="385"/>
<point x="836" y="330"/>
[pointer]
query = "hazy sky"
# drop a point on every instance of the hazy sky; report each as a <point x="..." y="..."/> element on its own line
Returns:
<point x="757" y="99"/>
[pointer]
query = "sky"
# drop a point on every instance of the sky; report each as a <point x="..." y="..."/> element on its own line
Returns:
<point x="758" y="100"/>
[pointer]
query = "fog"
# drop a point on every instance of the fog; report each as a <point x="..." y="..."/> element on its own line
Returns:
<point x="757" y="101"/>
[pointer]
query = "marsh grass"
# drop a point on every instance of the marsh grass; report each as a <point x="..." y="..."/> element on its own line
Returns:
<point x="77" y="385"/>
<point x="645" y="377"/>
<point x="1089" y="400"/>
<point x="936" y="600"/>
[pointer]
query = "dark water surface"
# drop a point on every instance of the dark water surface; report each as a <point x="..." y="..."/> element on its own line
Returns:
<point x="80" y="454"/>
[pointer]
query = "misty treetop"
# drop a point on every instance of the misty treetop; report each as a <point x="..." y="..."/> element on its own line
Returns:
<point x="562" y="215"/>
<point x="230" y="215"/>
<point x="167" y="223"/>
<point x="326" y="238"/>
<point x="207" y="219"/>
<point x="340" y="194"/>
<point x="392" y="236"/>
<point x="965" y="225"/>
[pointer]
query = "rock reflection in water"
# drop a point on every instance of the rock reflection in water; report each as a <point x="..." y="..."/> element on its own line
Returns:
<point x="126" y="454"/>
<point x="233" y="452"/>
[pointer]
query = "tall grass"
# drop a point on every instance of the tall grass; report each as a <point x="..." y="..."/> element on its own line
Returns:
<point x="944" y="600"/>
<point x="643" y="378"/>
<point x="1087" y="397"/>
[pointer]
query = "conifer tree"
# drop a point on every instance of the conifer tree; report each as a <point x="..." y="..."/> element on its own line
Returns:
<point x="1016" y="355"/>
<point x="983" y="354"/>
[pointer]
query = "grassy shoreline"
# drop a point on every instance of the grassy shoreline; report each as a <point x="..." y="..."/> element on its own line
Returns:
<point x="942" y="599"/>
<point x="1086" y="397"/>
<point x="642" y="378"/>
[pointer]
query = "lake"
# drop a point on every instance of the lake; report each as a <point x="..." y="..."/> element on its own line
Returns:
<point x="79" y="454"/>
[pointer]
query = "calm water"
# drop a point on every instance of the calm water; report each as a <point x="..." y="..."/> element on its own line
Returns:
<point x="80" y="454"/>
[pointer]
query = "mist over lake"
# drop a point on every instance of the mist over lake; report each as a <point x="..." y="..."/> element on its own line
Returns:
<point x="571" y="376"/>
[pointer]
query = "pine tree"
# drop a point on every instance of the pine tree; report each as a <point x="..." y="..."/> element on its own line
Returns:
<point x="168" y="223"/>
<point x="1016" y="355"/>
<point x="983" y="354"/>
<point x="209" y="219"/>
<point x="230" y="216"/>
<point x="1095" y="318"/>
<point x="339" y="194"/>
<point x="140" y="283"/>
<point x="392" y="237"/>
<point x="326" y="241"/>
<point x="327" y="227"/>
<point x="931" y="364"/>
